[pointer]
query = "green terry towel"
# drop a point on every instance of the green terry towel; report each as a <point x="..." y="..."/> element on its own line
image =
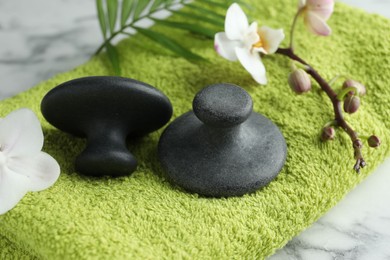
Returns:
<point x="144" y="216"/>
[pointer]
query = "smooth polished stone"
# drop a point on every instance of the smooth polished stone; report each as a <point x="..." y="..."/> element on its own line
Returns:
<point x="37" y="44"/>
<point x="106" y="111"/>
<point x="222" y="148"/>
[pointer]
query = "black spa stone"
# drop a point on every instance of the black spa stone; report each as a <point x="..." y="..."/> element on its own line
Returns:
<point x="222" y="148"/>
<point x="106" y="111"/>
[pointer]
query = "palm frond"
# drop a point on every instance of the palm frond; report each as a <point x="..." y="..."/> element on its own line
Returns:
<point x="205" y="19"/>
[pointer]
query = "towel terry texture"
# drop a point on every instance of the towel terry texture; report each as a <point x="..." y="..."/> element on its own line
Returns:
<point x="144" y="216"/>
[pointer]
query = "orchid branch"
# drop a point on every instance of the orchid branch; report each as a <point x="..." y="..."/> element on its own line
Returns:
<point x="339" y="118"/>
<point x="248" y="44"/>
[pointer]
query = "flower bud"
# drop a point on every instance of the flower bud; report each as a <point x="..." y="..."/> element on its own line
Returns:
<point x="328" y="133"/>
<point x="361" y="89"/>
<point x="299" y="81"/>
<point x="374" y="141"/>
<point x="351" y="104"/>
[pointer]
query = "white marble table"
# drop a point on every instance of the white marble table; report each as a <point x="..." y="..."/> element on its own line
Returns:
<point x="41" y="38"/>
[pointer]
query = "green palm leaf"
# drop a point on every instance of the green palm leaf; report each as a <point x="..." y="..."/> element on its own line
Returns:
<point x="213" y="3"/>
<point x="205" y="11"/>
<point x="140" y="6"/>
<point x="210" y="20"/>
<point x="126" y="11"/>
<point x="102" y="17"/>
<point x="112" y="8"/>
<point x="169" y="44"/>
<point x="114" y="58"/>
<point x="156" y="4"/>
<point x="133" y="11"/>
<point x="188" y="27"/>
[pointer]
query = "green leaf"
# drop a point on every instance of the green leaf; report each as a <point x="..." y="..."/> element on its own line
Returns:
<point x="112" y="53"/>
<point x="169" y="44"/>
<point x="242" y="3"/>
<point x="112" y="9"/>
<point x="187" y="26"/>
<point x="102" y="17"/>
<point x="205" y="11"/>
<point x="215" y="3"/>
<point x="156" y="4"/>
<point x="168" y="3"/>
<point x="126" y="11"/>
<point x="213" y="21"/>
<point x="140" y="6"/>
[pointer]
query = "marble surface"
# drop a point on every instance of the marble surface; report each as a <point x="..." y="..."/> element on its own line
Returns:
<point x="41" y="38"/>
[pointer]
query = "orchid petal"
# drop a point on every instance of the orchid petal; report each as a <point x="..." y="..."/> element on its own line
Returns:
<point x="20" y="133"/>
<point x="225" y="47"/>
<point x="13" y="187"/>
<point x="271" y="38"/>
<point x="41" y="169"/>
<point x="322" y="8"/>
<point x="236" y="22"/>
<point x="252" y="28"/>
<point x="252" y="63"/>
<point x="252" y="36"/>
<point x="260" y="49"/>
<point x="316" y="24"/>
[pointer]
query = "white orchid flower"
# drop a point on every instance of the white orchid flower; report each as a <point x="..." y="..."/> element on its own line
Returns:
<point x="23" y="166"/>
<point x="315" y="14"/>
<point x="245" y="42"/>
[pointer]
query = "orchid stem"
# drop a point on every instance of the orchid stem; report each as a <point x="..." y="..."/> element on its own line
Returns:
<point x="293" y="28"/>
<point x="330" y="123"/>
<point x="334" y="79"/>
<point x="339" y="117"/>
<point x="293" y="66"/>
<point x="343" y="92"/>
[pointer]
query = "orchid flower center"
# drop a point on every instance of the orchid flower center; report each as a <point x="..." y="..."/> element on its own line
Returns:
<point x="258" y="44"/>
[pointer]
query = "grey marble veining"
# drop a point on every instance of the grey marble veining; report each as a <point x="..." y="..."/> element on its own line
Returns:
<point x="356" y="228"/>
<point x="41" y="38"/>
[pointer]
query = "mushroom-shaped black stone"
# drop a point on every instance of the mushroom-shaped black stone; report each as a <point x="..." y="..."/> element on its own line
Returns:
<point x="222" y="148"/>
<point x="106" y="111"/>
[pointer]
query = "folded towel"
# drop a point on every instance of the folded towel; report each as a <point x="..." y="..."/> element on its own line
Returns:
<point x="144" y="216"/>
